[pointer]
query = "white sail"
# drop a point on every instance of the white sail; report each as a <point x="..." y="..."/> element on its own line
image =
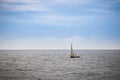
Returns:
<point x="72" y="52"/>
<point x="72" y="55"/>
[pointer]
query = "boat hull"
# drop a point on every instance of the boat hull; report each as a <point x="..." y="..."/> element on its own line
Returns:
<point x="74" y="56"/>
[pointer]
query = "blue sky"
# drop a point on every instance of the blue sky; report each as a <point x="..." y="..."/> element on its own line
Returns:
<point x="55" y="24"/>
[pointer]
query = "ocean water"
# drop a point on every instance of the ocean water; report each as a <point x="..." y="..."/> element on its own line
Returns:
<point x="56" y="65"/>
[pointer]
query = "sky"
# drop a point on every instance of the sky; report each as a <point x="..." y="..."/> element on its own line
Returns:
<point x="55" y="24"/>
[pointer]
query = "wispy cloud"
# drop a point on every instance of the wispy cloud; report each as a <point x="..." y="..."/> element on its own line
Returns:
<point x="85" y="6"/>
<point x="23" y="5"/>
<point x="69" y="2"/>
<point x="57" y="19"/>
<point x="100" y="3"/>
<point x="18" y="1"/>
<point x="50" y="19"/>
<point x="50" y="1"/>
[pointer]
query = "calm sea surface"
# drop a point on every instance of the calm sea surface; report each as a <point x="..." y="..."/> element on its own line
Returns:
<point x="56" y="65"/>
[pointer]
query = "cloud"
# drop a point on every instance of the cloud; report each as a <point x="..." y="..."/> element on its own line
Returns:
<point x="58" y="43"/>
<point x="86" y="6"/>
<point x="52" y="17"/>
<point x="102" y="3"/>
<point x="39" y="43"/>
<point x="18" y="1"/>
<point x="55" y="20"/>
<point x="50" y="1"/>
<point x="69" y="2"/>
<point x="23" y="5"/>
<point x="48" y="19"/>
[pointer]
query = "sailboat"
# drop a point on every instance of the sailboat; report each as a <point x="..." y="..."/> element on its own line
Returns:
<point x="72" y="54"/>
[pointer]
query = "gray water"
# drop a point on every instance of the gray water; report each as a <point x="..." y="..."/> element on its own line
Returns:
<point x="56" y="65"/>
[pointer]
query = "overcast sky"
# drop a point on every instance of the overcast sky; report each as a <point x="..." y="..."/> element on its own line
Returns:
<point x="55" y="24"/>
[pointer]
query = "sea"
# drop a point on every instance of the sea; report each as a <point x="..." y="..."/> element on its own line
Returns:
<point x="57" y="65"/>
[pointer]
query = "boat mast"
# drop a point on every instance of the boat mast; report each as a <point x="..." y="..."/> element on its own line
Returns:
<point x="72" y="54"/>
